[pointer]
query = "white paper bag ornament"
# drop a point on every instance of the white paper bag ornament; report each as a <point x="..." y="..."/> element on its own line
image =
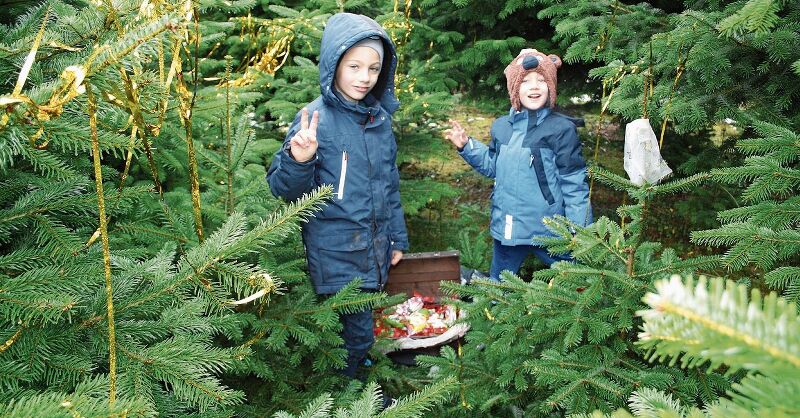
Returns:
<point x="642" y="160"/>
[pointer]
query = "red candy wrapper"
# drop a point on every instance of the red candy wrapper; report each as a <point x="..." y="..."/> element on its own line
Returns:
<point x="418" y="317"/>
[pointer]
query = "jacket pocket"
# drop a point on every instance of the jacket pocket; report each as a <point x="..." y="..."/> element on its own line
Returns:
<point x="537" y="162"/>
<point x="343" y="256"/>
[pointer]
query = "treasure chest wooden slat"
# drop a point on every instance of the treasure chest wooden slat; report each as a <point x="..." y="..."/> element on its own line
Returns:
<point x="422" y="272"/>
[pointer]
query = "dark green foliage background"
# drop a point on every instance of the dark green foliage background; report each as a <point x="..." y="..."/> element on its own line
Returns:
<point x="560" y="341"/>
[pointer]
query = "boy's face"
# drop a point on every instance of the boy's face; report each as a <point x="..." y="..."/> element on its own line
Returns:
<point x="533" y="92"/>
<point x="357" y="72"/>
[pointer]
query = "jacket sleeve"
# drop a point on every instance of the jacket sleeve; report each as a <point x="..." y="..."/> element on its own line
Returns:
<point x="397" y="227"/>
<point x="288" y="178"/>
<point x="572" y="175"/>
<point x="480" y="156"/>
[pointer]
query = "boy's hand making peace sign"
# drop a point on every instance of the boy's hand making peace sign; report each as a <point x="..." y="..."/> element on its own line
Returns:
<point x="304" y="142"/>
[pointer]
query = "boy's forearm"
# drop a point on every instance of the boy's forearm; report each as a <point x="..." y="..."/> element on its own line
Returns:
<point x="479" y="156"/>
<point x="399" y="236"/>
<point x="288" y="178"/>
<point x="577" y="206"/>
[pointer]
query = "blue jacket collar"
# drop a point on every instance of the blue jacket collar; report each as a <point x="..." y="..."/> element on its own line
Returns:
<point x="537" y="115"/>
<point x="363" y="112"/>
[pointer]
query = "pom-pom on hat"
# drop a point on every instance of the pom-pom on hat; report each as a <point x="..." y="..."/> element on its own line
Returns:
<point x="531" y="61"/>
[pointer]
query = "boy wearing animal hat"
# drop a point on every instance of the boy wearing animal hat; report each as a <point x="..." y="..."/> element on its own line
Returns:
<point x="534" y="155"/>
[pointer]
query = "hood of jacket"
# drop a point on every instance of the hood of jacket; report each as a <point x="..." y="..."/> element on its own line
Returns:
<point x="341" y="32"/>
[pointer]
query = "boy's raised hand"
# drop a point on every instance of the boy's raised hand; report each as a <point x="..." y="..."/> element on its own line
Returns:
<point x="304" y="142"/>
<point x="457" y="135"/>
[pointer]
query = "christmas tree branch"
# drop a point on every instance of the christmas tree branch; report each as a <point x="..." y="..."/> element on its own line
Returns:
<point x="721" y="325"/>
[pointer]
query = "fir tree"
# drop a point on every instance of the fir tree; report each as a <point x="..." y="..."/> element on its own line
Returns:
<point x="125" y="277"/>
<point x="566" y="340"/>
<point x="122" y="327"/>
<point x="369" y="403"/>
<point x="690" y="61"/>
<point x="475" y="40"/>
<point x="763" y="233"/>
<point x="708" y="325"/>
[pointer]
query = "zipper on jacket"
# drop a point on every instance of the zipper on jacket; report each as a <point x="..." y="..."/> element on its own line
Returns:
<point x="342" y="175"/>
<point x="370" y="118"/>
<point x="531" y="163"/>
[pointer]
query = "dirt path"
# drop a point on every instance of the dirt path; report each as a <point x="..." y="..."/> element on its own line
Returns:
<point x="435" y="154"/>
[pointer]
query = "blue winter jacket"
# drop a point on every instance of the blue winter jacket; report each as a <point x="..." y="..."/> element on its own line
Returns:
<point x="354" y="234"/>
<point x="535" y="159"/>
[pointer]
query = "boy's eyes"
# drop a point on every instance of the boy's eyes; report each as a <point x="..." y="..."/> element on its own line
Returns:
<point x="530" y="81"/>
<point x="354" y="67"/>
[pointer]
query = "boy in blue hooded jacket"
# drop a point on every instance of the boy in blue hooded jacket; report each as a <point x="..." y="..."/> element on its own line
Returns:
<point x="347" y="142"/>
<point x="535" y="158"/>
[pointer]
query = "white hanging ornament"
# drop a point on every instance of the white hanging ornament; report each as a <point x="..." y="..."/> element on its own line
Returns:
<point x="642" y="160"/>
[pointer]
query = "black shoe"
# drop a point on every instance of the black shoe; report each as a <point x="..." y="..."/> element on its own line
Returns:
<point x="388" y="402"/>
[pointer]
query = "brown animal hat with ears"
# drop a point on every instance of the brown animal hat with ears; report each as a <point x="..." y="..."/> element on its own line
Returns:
<point x="528" y="61"/>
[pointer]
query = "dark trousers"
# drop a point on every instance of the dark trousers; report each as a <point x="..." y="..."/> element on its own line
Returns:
<point x="510" y="257"/>
<point x="358" y="339"/>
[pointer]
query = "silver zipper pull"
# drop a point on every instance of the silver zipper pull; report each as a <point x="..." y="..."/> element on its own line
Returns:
<point x="531" y="163"/>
